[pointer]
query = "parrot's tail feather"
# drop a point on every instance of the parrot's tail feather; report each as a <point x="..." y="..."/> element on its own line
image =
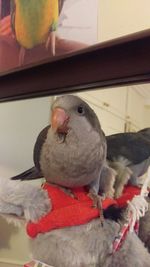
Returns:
<point x="30" y="174"/>
<point x="122" y="160"/>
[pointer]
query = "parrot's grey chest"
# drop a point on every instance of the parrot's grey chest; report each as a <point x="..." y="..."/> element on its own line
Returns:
<point x="72" y="158"/>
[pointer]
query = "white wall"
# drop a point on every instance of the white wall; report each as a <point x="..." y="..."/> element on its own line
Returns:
<point x="118" y="18"/>
<point x="21" y="121"/>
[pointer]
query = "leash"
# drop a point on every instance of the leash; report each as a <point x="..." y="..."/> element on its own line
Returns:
<point x="136" y="209"/>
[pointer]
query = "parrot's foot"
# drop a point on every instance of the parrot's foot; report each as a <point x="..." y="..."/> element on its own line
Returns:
<point x="67" y="191"/>
<point x="97" y="203"/>
<point x="21" y="56"/>
<point x="51" y="41"/>
<point x="123" y="175"/>
<point x="107" y="181"/>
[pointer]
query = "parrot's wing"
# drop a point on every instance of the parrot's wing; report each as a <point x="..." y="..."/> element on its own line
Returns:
<point x="38" y="146"/>
<point x="12" y="14"/>
<point x="60" y="5"/>
<point x="133" y="146"/>
<point x="30" y="174"/>
<point x="145" y="132"/>
<point x="139" y="169"/>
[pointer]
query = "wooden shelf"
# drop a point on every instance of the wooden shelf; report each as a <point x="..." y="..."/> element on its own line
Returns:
<point x="121" y="61"/>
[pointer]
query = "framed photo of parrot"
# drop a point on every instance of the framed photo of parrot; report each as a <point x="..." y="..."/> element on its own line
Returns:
<point x="35" y="30"/>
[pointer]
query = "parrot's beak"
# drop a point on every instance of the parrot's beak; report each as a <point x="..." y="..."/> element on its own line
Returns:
<point x="59" y="120"/>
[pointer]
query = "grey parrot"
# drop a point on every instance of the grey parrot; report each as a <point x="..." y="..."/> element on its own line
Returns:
<point x="72" y="155"/>
<point x="68" y="135"/>
<point x="135" y="147"/>
<point x="129" y="155"/>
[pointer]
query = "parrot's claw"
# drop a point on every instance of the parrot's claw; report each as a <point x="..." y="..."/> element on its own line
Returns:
<point x="21" y="56"/>
<point x="97" y="203"/>
<point x="94" y="198"/>
<point x="68" y="192"/>
<point x="51" y="41"/>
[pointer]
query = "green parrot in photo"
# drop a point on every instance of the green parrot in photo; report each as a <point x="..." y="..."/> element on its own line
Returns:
<point x="35" y="22"/>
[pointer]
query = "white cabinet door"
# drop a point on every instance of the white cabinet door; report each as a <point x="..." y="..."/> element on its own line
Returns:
<point x="109" y="105"/>
<point x="112" y="99"/>
<point x="135" y="109"/>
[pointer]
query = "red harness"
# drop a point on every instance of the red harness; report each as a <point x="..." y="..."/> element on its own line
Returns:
<point x="67" y="211"/>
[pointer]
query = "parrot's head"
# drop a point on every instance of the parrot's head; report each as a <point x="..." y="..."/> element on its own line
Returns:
<point x="72" y="114"/>
<point x="75" y="146"/>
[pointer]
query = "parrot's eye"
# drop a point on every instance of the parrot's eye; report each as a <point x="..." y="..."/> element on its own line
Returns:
<point x="81" y="110"/>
